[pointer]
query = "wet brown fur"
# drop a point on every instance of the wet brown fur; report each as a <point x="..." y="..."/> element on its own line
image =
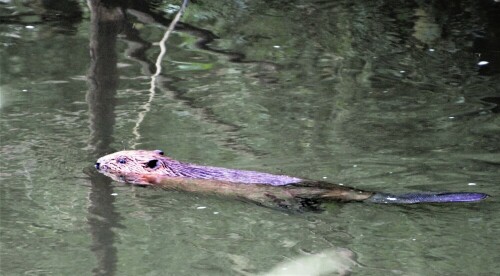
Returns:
<point x="302" y="195"/>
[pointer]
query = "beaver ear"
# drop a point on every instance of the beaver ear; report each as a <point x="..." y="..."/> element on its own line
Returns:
<point x="160" y="152"/>
<point x="152" y="164"/>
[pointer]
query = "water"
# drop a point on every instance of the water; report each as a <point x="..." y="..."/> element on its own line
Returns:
<point x="385" y="96"/>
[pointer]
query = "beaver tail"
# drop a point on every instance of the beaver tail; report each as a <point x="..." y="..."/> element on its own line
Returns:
<point x="413" y="198"/>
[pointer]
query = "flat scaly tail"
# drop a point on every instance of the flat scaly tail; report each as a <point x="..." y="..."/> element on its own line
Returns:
<point x="412" y="198"/>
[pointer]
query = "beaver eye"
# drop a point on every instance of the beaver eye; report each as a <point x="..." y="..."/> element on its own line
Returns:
<point x="152" y="164"/>
<point x="160" y="152"/>
<point x="122" y="161"/>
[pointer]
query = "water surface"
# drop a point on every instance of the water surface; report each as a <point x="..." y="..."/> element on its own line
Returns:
<point x="385" y="96"/>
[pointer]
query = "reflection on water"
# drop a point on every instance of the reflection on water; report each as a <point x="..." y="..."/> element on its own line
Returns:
<point x="382" y="95"/>
<point x="337" y="261"/>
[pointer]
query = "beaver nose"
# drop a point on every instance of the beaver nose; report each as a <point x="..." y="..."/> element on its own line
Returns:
<point x="97" y="165"/>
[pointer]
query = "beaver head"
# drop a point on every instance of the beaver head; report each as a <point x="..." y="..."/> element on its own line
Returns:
<point x="145" y="167"/>
<point x="132" y="165"/>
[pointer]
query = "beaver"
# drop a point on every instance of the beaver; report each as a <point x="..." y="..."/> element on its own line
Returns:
<point x="153" y="168"/>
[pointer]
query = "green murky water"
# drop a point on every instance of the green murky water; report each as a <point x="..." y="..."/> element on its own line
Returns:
<point x="390" y="96"/>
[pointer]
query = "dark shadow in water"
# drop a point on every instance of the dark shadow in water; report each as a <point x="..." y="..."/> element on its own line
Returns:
<point x="487" y="43"/>
<point x="145" y="12"/>
<point x="494" y="103"/>
<point x="106" y="23"/>
<point x="61" y="16"/>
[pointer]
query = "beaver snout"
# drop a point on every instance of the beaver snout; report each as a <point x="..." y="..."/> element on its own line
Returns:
<point x="97" y="165"/>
